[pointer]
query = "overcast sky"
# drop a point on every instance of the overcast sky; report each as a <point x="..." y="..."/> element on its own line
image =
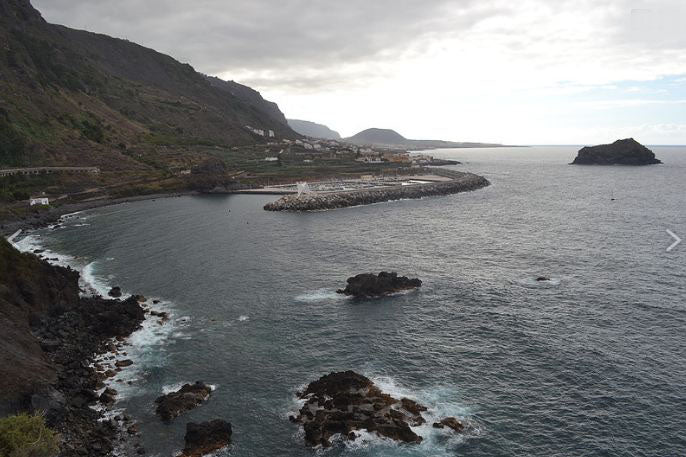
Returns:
<point x="525" y="72"/>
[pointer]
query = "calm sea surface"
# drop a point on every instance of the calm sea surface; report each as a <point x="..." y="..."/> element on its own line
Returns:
<point x="591" y="364"/>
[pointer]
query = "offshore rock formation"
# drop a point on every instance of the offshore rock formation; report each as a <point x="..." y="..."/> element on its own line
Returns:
<point x="346" y="402"/>
<point x="621" y="152"/>
<point x="460" y="182"/>
<point x="368" y="285"/>
<point x="176" y="403"/>
<point x="206" y="437"/>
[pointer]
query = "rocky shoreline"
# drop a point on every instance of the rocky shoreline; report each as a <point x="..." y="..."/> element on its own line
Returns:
<point x="54" y="214"/>
<point x="51" y="338"/>
<point x="460" y="182"/>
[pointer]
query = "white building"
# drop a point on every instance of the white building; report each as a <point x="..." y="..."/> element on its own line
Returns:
<point x="39" y="201"/>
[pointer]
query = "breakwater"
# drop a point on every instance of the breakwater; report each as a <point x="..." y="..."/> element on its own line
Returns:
<point x="459" y="182"/>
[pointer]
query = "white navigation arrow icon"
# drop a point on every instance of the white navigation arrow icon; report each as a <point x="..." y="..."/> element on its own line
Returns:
<point x="676" y="242"/>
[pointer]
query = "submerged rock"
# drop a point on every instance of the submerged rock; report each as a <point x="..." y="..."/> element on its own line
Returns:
<point x="346" y="402"/>
<point x="621" y="152"/>
<point x="176" y="403"/>
<point x="207" y="437"/>
<point x="368" y="285"/>
<point x="450" y="422"/>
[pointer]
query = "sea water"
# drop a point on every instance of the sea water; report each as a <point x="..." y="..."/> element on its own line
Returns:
<point x="592" y="362"/>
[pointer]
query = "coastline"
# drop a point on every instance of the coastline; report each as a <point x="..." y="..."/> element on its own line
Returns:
<point x="56" y="343"/>
<point x="36" y="221"/>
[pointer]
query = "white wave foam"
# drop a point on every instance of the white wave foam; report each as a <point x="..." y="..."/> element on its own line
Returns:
<point x="243" y="318"/>
<point x="34" y="242"/>
<point x="91" y="282"/>
<point x="146" y="347"/>
<point x="320" y="295"/>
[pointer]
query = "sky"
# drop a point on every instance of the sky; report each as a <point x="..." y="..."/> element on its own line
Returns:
<point x="513" y="72"/>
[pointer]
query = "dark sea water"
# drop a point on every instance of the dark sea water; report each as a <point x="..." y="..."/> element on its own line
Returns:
<point x="591" y="364"/>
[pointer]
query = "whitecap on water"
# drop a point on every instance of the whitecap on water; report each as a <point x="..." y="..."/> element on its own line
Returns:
<point x="92" y="282"/>
<point x="319" y="295"/>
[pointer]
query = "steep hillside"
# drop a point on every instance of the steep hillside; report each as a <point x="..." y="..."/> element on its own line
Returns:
<point x="313" y="129"/>
<point x="70" y="97"/>
<point x="29" y="289"/>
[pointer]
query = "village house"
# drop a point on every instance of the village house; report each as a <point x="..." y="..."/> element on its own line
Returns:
<point x="42" y="200"/>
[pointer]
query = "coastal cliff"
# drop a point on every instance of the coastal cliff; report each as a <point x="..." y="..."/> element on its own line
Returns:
<point x="621" y="152"/>
<point x="49" y="335"/>
<point x="460" y="182"/>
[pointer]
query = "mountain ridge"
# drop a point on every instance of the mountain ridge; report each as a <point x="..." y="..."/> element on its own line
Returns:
<point x="391" y="138"/>
<point x="71" y="96"/>
<point x="313" y="129"/>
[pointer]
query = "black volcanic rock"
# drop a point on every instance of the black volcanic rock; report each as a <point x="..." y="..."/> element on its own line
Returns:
<point x="368" y="285"/>
<point x="49" y="337"/>
<point x="176" y="403"/>
<point x="621" y="152"/>
<point x="115" y="292"/>
<point x="207" y="437"/>
<point x="347" y="402"/>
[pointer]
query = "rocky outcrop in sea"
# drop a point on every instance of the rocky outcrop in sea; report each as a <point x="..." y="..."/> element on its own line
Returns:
<point x="460" y="182"/>
<point x="206" y="437"/>
<point x="346" y="403"/>
<point x="369" y="285"/>
<point x="189" y="396"/>
<point x="621" y="152"/>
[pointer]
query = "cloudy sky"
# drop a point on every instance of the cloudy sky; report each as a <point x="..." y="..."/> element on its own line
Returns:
<point x="525" y="72"/>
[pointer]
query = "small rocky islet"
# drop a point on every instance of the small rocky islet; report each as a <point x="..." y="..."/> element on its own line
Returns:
<point x="369" y="285"/>
<point x="189" y="396"/>
<point x="206" y="437"/>
<point x="621" y="152"/>
<point x="343" y="404"/>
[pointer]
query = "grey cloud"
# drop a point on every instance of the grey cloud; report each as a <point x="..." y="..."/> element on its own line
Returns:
<point x="258" y="35"/>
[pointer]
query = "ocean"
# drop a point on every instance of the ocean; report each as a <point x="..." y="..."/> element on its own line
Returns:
<point x="591" y="363"/>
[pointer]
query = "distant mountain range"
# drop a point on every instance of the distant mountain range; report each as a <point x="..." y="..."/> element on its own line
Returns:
<point x="71" y="97"/>
<point x="391" y="138"/>
<point x="313" y="129"/>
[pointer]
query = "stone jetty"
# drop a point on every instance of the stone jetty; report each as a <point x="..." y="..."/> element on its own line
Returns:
<point x="459" y="182"/>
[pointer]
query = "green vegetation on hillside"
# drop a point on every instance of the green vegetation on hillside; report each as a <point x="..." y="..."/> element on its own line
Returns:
<point x="11" y="142"/>
<point x="27" y="436"/>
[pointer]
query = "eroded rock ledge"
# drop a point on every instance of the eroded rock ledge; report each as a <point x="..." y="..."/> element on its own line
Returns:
<point x="460" y="182"/>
